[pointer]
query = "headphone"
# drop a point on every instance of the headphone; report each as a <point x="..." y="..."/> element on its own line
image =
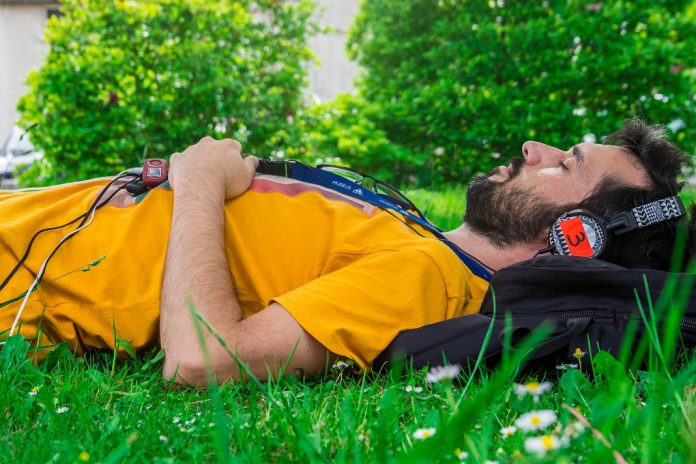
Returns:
<point x="582" y="233"/>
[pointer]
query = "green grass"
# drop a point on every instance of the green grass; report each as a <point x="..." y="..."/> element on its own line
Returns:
<point x="444" y="208"/>
<point x="689" y="196"/>
<point x="90" y="410"/>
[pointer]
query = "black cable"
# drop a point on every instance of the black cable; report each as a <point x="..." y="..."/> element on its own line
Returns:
<point x="542" y="251"/>
<point x="268" y="166"/>
<point x="48" y="259"/>
<point x="442" y="239"/>
<point x="93" y="206"/>
<point x="403" y="221"/>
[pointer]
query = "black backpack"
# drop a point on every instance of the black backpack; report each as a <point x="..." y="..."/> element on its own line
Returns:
<point x="589" y="303"/>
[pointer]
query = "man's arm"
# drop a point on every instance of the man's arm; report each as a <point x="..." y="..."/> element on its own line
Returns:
<point x="203" y="177"/>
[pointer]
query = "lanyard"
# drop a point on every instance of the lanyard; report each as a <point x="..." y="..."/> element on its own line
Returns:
<point x="304" y="173"/>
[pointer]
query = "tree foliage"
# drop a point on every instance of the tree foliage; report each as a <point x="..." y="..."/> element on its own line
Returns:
<point x="126" y="79"/>
<point x="470" y="80"/>
<point x="342" y="131"/>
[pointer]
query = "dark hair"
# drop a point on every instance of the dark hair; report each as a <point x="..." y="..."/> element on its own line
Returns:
<point x="650" y="247"/>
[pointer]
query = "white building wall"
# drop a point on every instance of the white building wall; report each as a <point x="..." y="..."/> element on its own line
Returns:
<point x="336" y="72"/>
<point x="22" y="48"/>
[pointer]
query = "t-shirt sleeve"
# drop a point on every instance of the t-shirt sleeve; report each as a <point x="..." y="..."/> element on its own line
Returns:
<point x="357" y="311"/>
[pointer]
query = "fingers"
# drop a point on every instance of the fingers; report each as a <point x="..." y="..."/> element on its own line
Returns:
<point x="232" y="143"/>
<point x="215" y="165"/>
<point x="251" y="163"/>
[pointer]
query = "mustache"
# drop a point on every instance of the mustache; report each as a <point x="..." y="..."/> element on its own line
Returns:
<point x="515" y="166"/>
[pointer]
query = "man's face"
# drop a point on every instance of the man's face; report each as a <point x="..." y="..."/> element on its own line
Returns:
<point x="518" y="202"/>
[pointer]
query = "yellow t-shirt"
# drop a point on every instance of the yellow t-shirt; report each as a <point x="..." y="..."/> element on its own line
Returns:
<point x="352" y="275"/>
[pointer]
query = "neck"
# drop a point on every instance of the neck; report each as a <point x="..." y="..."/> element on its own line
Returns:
<point x="489" y="254"/>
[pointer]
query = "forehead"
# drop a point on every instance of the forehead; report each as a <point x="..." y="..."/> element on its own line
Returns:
<point x="609" y="160"/>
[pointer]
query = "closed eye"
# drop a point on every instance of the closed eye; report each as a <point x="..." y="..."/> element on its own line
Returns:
<point x="563" y="166"/>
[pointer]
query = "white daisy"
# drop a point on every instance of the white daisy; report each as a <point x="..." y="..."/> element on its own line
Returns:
<point x="509" y="431"/>
<point x="422" y="434"/>
<point x="573" y="429"/>
<point x="61" y="409"/>
<point x="461" y="455"/>
<point x="436" y="374"/>
<point x="411" y="388"/>
<point x="536" y="420"/>
<point x="563" y="367"/>
<point x="535" y="389"/>
<point x="578" y="354"/>
<point x="340" y="365"/>
<point x="541" y="444"/>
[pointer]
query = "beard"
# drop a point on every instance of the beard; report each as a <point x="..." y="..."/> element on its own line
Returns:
<point x="507" y="214"/>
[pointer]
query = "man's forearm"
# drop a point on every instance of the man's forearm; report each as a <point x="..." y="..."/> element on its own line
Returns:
<point x="196" y="267"/>
<point x="270" y="342"/>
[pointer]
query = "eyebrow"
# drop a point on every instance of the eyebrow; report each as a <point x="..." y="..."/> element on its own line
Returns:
<point x="579" y="155"/>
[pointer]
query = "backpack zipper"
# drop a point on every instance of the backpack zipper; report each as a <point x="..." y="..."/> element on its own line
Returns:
<point x="625" y="315"/>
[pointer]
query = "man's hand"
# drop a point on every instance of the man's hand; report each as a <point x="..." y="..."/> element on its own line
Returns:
<point x="212" y="167"/>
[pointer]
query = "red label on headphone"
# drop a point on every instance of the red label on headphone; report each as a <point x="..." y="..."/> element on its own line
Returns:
<point x="575" y="237"/>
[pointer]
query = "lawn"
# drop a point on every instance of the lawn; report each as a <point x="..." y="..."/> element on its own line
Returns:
<point x="97" y="409"/>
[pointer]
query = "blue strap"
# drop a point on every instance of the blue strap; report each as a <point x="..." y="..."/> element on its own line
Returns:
<point x="304" y="173"/>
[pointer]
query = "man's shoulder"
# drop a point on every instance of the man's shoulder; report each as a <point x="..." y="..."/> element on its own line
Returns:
<point x="432" y="256"/>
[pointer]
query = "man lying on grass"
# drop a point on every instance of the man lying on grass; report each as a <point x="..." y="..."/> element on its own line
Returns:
<point x="292" y="274"/>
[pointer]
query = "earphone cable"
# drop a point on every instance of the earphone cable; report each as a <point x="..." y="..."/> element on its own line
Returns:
<point x="405" y="222"/>
<point x="94" y="206"/>
<point x="88" y="220"/>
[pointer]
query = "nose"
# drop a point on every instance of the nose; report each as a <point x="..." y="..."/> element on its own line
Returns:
<point x="539" y="153"/>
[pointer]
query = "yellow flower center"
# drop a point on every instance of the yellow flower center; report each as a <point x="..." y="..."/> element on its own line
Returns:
<point x="426" y="434"/>
<point x="84" y="456"/>
<point x="533" y="386"/>
<point x="535" y="420"/>
<point x="547" y="442"/>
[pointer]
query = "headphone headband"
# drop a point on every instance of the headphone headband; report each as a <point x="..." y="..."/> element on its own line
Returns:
<point x="647" y="215"/>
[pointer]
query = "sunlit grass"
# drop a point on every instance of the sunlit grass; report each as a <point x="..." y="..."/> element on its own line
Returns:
<point x="78" y="410"/>
<point x="130" y="416"/>
<point x="444" y="208"/>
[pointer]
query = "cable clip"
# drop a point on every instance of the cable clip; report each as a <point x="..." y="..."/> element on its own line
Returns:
<point x="154" y="172"/>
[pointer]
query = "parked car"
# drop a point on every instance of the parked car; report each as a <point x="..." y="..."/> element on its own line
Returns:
<point x="16" y="154"/>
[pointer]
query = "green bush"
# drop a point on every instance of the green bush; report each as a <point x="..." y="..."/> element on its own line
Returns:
<point x="342" y="131"/>
<point x="125" y="79"/>
<point x="471" y="80"/>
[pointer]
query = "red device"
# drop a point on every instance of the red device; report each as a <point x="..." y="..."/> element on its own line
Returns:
<point x="155" y="171"/>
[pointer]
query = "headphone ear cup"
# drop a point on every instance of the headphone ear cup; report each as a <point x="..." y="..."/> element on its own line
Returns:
<point x="578" y="233"/>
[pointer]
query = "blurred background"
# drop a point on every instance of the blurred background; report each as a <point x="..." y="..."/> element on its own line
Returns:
<point x="421" y="93"/>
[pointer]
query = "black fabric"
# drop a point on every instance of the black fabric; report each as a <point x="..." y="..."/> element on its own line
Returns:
<point x="588" y="302"/>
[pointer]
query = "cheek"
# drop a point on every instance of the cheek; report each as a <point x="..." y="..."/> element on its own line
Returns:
<point x="559" y="191"/>
<point x="563" y="188"/>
